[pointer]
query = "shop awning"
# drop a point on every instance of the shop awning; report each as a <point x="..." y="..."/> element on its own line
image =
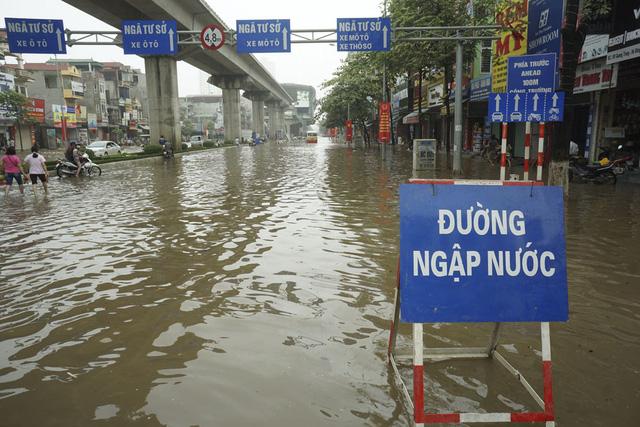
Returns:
<point x="411" y="118"/>
<point x="144" y="127"/>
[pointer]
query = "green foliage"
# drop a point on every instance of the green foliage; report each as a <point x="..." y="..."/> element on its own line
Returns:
<point x="184" y="147"/>
<point x="209" y="144"/>
<point x="352" y="91"/>
<point x="90" y="153"/>
<point x="593" y="10"/>
<point x="15" y="105"/>
<point x="357" y="84"/>
<point x="116" y="133"/>
<point x="152" y="149"/>
<point x="187" y="128"/>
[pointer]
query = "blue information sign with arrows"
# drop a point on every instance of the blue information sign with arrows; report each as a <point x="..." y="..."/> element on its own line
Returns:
<point x="35" y="35"/>
<point x="263" y="35"/>
<point x="527" y="107"/>
<point x="149" y="37"/>
<point x="364" y="34"/>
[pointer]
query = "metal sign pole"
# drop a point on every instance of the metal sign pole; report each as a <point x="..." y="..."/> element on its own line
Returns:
<point x="457" y="135"/>
<point x="527" y="149"/>
<point x="503" y="152"/>
<point x="540" y="151"/>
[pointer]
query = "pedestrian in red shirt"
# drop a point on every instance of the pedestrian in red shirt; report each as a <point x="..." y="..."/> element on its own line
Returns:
<point x="12" y="169"/>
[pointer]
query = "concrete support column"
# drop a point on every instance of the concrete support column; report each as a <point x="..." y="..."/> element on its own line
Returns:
<point x="257" y="109"/>
<point x="230" y="86"/>
<point x="231" y="113"/>
<point x="272" y="107"/>
<point x="276" y="120"/>
<point x="281" y="124"/>
<point x="162" y="93"/>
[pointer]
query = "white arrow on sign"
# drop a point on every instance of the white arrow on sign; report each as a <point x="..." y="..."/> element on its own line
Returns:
<point x="59" y="37"/>
<point x="517" y="99"/>
<point x="284" y="38"/>
<point x="171" y="39"/>
<point x="535" y="102"/>
<point x="555" y="99"/>
<point x="384" y="36"/>
<point x="498" y="102"/>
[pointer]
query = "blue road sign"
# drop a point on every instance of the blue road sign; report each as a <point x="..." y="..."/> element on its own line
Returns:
<point x="526" y="107"/>
<point x="150" y="37"/>
<point x="516" y="108"/>
<point x="545" y="21"/>
<point x="498" y="107"/>
<point x="363" y="34"/>
<point x="35" y="35"/>
<point x="534" y="108"/>
<point x="554" y="107"/>
<point x="531" y="73"/>
<point x="472" y="253"/>
<point x="263" y="35"/>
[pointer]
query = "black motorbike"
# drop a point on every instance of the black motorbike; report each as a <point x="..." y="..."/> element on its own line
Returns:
<point x="580" y="171"/>
<point x="167" y="151"/>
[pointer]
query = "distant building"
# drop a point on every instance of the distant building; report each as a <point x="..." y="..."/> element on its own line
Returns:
<point x="203" y="113"/>
<point x="302" y="114"/>
<point x="14" y="78"/>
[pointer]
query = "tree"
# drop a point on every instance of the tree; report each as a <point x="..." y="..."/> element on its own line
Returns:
<point x="353" y="92"/>
<point x="14" y="105"/>
<point x="187" y="128"/>
<point x="574" y="31"/>
<point x="427" y="59"/>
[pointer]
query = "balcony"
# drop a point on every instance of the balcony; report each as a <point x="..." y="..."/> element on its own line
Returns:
<point x="69" y="94"/>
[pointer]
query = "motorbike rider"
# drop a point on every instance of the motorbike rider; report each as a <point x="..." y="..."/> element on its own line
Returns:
<point x="167" y="149"/>
<point x="73" y="155"/>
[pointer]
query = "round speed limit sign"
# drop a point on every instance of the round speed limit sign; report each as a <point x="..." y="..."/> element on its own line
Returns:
<point x="212" y="37"/>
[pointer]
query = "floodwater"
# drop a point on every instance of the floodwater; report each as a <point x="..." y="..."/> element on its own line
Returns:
<point x="254" y="286"/>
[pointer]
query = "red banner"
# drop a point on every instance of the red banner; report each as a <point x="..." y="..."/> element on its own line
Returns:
<point x="349" y="132"/>
<point x="384" y="133"/>
<point x="35" y="109"/>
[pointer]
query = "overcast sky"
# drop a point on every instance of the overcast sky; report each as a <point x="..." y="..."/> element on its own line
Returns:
<point x="306" y="64"/>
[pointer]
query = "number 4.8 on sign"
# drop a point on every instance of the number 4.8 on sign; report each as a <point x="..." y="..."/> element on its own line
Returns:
<point x="212" y="37"/>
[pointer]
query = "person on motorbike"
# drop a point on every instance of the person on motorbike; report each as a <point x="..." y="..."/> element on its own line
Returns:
<point x="73" y="155"/>
<point x="167" y="149"/>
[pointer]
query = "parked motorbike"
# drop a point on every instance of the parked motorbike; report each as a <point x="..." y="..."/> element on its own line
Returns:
<point x="66" y="168"/>
<point x="579" y="171"/>
<point x="167" y="151"/>
<point x="624" y="153"/>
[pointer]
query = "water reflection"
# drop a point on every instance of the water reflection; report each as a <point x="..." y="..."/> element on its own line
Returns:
<point x="254" y="284"/>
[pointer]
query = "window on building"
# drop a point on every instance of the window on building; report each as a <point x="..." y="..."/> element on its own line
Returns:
<point x="51" y="82"/>
<point x="485" y="57"/>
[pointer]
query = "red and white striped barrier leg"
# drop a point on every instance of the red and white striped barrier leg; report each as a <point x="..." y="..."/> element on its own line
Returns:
<point x="418" y="376"/>
<point x="396" y="315"/>
<point x="540" y="151"/>
<point x="503" y="153"/>
<point x="527" y="150"/>
<point x="546" y="372"/>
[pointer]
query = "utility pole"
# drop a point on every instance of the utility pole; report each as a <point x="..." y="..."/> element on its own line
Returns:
<point x="457" y="134"/>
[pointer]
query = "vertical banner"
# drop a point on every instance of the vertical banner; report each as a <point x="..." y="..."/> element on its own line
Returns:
<point x="511" y="14"/>
<point x="349" y="132"/>
<point x="57" y="115"/>
<point x="384" y="133"/>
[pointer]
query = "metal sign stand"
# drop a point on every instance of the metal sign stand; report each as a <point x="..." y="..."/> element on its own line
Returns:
<point x="420" y="353"/>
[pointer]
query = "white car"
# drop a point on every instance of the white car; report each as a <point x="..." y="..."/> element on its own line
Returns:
<point x="104" y="148"/>
<point x="196" y="140"/>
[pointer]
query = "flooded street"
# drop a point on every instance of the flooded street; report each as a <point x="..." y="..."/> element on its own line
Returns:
<point x="254" y="286"/>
